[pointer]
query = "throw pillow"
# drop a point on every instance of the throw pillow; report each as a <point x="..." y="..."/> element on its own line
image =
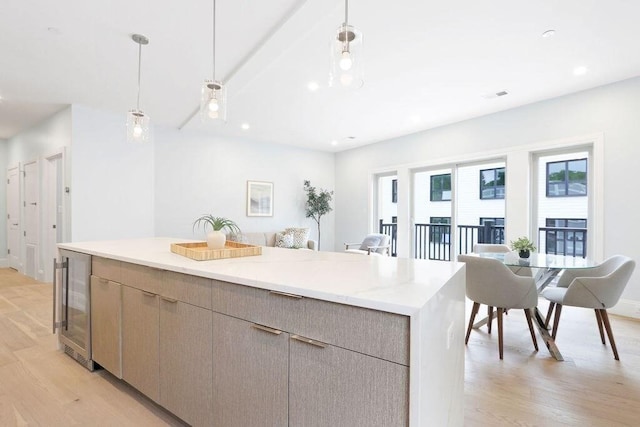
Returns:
<point x="369" y="241"/>
<point x="300" y="236"/>
<point x="284" y="240"/>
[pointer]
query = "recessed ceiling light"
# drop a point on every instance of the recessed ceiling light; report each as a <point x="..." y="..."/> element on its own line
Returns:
<point x="313" y="86"/>
<point x="334" y="142"/>
<point x="548" y="33"/>
<point x="245" y="126"/>
<point x="580" y="71"/>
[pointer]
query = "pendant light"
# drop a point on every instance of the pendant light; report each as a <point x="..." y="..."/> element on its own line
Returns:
<point x="213" y="100"/>
<point x="137" y="121"/>
<point x="346" y="55"/>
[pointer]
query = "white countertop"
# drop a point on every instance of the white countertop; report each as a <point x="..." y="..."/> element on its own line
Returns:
<point x="396" y="285"/>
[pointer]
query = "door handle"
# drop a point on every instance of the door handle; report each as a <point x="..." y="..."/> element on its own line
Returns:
<point x="285" y="294"/>
<point x="308" y="341"/>
<point x="266" y="329"/>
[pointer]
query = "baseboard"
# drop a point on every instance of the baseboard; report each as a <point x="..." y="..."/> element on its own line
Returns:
<point x="4" y="262"/>
<point x="627" y="308"/>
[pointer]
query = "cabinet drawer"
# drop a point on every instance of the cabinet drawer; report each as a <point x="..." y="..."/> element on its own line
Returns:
<point x="376" y="333"/>
<point x="190" y="289"/>
<point x="141" y="277"/>
<point x="106" y="268"/>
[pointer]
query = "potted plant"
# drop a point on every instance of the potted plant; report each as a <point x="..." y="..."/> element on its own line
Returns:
<point x="216" y="239"/>
<point x="524" y="246"/>
<point x="318" y="204"/>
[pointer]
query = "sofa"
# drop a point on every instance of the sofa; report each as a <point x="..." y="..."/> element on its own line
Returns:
<point x="266" y="239"/>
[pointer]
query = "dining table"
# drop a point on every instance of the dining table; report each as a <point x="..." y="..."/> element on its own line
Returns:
<point x="544" y="268"/>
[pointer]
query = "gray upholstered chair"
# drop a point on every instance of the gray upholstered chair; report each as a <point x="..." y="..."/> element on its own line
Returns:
<point x="598" y="288"/>
<point x="490" y="282"/>
<point x="479" y="248"/>
<point x="373" y="244"/>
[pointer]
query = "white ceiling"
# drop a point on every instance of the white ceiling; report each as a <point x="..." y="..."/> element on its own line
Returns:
<point x="427" y="62"/>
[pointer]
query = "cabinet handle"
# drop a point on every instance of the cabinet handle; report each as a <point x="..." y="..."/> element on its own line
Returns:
<point x="266" y="329"/>
<point x="171" y="300"/>
<point x="284" y="294"/>
<point x="308" y="341"/>
<point x="103" y="280"/>
<point x="148" y="294"/>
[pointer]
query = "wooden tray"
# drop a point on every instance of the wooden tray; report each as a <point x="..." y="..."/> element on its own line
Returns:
<point x="200" y="252"/>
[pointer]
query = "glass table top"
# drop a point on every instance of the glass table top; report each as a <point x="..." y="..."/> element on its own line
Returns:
<point x="538" y="260"/>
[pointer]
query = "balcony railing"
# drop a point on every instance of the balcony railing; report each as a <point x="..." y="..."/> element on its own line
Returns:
<point x="432" y="241"/>
<point x="563" y="240"/>
<point x="390" y="230"/>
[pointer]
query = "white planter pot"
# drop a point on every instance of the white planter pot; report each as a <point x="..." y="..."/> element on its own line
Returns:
<point x="216" y="240"/>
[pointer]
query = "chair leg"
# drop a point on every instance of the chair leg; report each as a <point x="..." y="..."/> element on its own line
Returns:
<point x="549" y="313"/>
<point x="599" y="319"/>
<point x="500" y="310"/>
<point x="607" y="326"/>
<point x="556" y="320"/>
<point x="527" y="313"/>
<point x="490" y="316"/>
<point x="474" y="311"/>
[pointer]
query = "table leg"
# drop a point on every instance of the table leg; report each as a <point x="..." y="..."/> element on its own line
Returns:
<point x="546" y="337"/>
<point x="483" y="321"/>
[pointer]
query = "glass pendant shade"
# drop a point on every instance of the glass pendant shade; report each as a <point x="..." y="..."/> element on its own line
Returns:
<point x="346" y="58"/>
<point x="138" y="127"/>
<point x="213" y="101"/>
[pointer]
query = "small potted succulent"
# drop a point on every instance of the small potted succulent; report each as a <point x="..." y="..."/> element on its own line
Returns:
<point x="524" y="246"/>
<point x="216" y="239"/>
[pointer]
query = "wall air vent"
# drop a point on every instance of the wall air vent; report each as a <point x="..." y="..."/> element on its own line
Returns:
<point x="495" y="94"/>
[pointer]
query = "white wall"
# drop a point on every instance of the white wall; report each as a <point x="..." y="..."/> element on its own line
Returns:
<point x="198" y="174"/>
<point x="611" y="110"/>
<point x="3" y="203"/>
<point x="112" y="181"/>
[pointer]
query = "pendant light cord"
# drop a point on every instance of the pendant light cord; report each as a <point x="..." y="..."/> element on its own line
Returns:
<point x="214" y="41"/>
<point x="139" y="72"/>
<point x="346" y="13"/>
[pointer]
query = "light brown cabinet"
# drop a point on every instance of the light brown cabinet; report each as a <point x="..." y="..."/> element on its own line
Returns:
<point x="186" y="361"/>
<point x="105" y="324"/>
<point x="221" y="354"/>
<point x="140" y="341"/>
<point x="250" y="374"/>
<point x="333" y="386"/>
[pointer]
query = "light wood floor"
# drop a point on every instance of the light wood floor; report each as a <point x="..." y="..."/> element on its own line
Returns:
<point x="40" y="386"/>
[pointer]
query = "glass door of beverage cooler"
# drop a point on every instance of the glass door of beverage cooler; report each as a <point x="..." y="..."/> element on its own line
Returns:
<point x="73" y="272"/>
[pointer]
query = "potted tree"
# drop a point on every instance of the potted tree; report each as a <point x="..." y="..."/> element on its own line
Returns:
<point x="524" y="246"/>
<point x="216" y="239"/>
<point x="318" y="204"/>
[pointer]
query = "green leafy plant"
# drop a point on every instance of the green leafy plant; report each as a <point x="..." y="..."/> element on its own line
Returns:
<point x="217" y="223"/>
<point x="318" y="204"/>
<point x="522" y="244"/>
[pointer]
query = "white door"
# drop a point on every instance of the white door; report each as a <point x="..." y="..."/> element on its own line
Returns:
<point x="31" y="215"/>
<point x="13" y="217"/>
<point x="52" y="212"/>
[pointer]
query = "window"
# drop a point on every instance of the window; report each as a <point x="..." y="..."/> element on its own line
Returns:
<point x="568" y="237"/>
<point x="496" y="221"/>
<point x="440" y="187"/>
<point x="567" y="178"/>
<point x="492" y="183"/>
<point x="394" y="191"/>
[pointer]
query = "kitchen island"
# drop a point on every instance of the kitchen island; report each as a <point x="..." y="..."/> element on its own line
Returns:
<point x="290" y="337"/>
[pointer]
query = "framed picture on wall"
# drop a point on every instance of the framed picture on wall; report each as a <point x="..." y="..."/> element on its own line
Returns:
<point x="259" y="198"/>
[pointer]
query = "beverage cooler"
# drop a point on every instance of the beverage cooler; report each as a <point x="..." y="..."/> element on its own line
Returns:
<point x="72" y="305"/>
